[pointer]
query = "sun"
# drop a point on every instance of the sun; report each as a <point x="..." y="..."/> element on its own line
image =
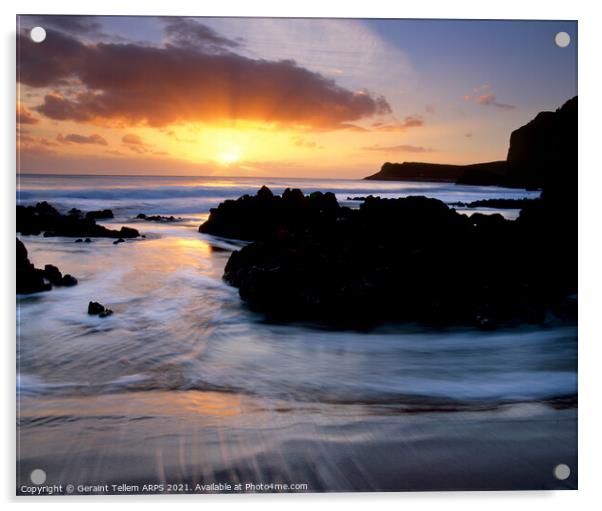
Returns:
<point x="229" y="156"/>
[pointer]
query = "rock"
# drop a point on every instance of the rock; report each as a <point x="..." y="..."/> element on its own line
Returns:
<point x="265" y="193"/>
<point x="44" y="218"/>
<point x="68" y="280"/>
<point x="262" y="215"/>
<point x="33" y="280"/>
<point x="79" y="240"/>
<point x="98" y="309"/>
<point x="542" y="151"/>
<point x="29" y="279"/>
<point x="88" y="240"/>
<point x="495" y="203"/>
<point x="53" y="275"/>
<point x="100" y="215"/>
<point x="293" y="195"/>
<point x="120" y="240"/>
<point x="489" y="173"/>
<point x="403" y="260"/>
<point x="359" y="198"/>
<point x="158" y="218"/>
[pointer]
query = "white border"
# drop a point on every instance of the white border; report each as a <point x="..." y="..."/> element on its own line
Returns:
<point x="590" y="331"/>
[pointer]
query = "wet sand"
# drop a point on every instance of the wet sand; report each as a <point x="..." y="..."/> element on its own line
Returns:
<point x="196" y="437"/>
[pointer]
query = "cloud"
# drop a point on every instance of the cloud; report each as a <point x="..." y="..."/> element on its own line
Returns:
<point x="411" y="121"/>
<point x="24" y="116"/>
<point x="186" y="32"/>
<point x="134" y="143"/>
<point x="81" y="139"/>
<point x="134" y="84"/>
<point x="490" y="100"/>
<point x="403" y="148"/>
<point x="85" y="25"/>
<point x="89" y="28"/>
<point x="132" y="139"/>
<point x="352" y="50"/>
<point x="483" y="97"/>
<point x="302" y="142"/>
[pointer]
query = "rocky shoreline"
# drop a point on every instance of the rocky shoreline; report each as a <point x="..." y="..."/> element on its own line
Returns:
<point x="45" y="218"/>
<point x="34" y="280"/>
<point x="403" y="260"/>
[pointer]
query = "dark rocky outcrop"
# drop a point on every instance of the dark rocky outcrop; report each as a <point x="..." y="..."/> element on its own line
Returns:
<point x="98" y="309"/>
<point x="405" y="260"/>
<point x="56" y="278"/>
<point x="158" y="218"/>
<point x="44" y="218"/>
<point x="33" y="280"/>
<point x="543" y="153"/>
<point x="100" y="215"/>
<point x="409" y="260"/>
<point x="495" y="203"/>
<point x="262" y="215"/>
<point x="491" y="173"/>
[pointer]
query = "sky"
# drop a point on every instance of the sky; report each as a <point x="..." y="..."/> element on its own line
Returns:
<point x="331" y="98"/>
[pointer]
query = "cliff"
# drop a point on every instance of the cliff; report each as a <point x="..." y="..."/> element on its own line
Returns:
<point x="539" y="154"/>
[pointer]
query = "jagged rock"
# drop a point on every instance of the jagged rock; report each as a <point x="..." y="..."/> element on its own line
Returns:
<point x="495" y="203"/>
<point x="158" y="218"/>
<point x="29" y="279"/>
<point x="120" y="240"/>
<point x="411" y="260"/>
<point x="45" y="218"/>
<point x="98" y="309"/>
<point x="68" y="280"/>
<point x="53" y="275"/>
<point x="33" y="280"/>
<point x="261" y="215"/>
<point x="100" y="215"/>
<point x="542" y="152"/>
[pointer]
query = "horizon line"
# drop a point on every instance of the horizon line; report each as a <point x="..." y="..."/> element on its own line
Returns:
<point x="192" y="176"/>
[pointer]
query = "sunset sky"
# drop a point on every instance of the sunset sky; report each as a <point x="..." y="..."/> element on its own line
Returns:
<point x="279" y="97"/>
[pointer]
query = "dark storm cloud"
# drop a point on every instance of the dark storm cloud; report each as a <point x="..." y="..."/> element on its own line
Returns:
<point x="136" y="84"/>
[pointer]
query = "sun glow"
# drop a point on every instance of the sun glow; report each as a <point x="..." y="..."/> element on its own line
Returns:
<point x="229" y="156"/>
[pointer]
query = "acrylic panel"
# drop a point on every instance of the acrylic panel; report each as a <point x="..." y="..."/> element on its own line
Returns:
<point x="295" y="255"/>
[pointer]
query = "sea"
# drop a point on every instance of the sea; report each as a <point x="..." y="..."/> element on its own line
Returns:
<point x="183" y="386"/>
